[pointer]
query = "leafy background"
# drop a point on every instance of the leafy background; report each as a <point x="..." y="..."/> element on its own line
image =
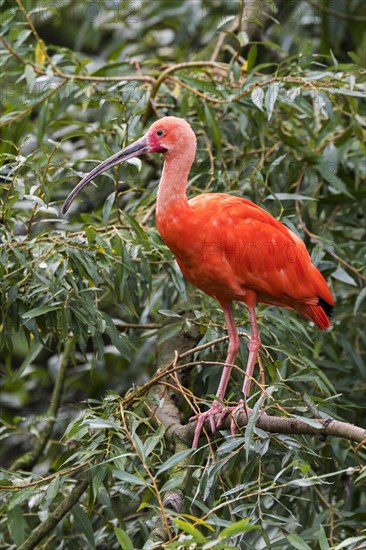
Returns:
<point x="92" y="304"/>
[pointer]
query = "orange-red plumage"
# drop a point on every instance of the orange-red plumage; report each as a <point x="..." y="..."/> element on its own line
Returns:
<point x="226" y="246"/>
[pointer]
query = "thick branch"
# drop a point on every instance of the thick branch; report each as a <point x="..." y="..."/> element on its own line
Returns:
<point x="53" y="519"/>
<point x="283" y="425"/>
<point x="162" y="401"/>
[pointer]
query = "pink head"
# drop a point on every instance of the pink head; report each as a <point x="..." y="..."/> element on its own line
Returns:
<point x="169" y="135"/>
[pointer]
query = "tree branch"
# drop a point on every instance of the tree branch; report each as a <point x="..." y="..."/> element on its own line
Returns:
<point x="53" y="519"/>
<point x="162" y="400"/>
<point x="282" y="425"/>
<point x="338" y="14"/>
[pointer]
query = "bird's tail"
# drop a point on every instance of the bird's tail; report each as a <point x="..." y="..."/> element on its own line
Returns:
<point x="319" y="313"/>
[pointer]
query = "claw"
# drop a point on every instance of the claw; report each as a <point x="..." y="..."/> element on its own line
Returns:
<point x="216" y="408"/>
<point x="219" y="409"/>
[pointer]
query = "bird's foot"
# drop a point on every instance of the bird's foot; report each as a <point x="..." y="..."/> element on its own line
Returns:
<point x="216" y="409"/>
<point x="236" y="412"/>
<point x="239" y="410"/>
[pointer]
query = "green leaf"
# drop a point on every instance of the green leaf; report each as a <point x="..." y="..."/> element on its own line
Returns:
<point x="359" y="300"/>
<point x="214" y="127"/>
<point x="249" y="429"/>
<point x="341" y="275"/>
<point x="298" y="543"/>
<point x="257" y="96"/>
<point x="309" y="421"/>
<point x="355" y="58"/>
<point x="30" y="76"/>
<point x="348" y="542"/>
<point x="123" y="539"/>
<point x="41" y="310"/>
<point x="289" y="197"/>
<point x="91" y="235"/>
<point x="323" y="542"/>
<point x="107" y="207"/>
<point x="16" y="524"/>
<point x="328" y="171"/>
<point x="190" y="530"/>
<point x="241" y="526"/>
<point x="84" y="523"/>
<point x="270" y="98"/>
<point x="129" y="478"/>
<point x="174" y="460"/>
<point x="174" y="482"/>
<point x="140" y="233"/>
<point x="20" y="496"/>
<point x="42" y="121"/>
<point x="53" y="489"/>
<point x="29" y="358"/>
<point x="252" y="56"/>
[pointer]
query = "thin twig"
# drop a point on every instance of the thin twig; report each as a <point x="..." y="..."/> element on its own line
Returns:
<point x="338" y="14"/>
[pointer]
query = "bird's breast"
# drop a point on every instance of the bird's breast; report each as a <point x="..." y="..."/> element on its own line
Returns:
<point x="200" y="250"/>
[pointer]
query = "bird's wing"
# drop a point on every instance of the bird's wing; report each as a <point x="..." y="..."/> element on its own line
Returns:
<point x="264" y="254"/>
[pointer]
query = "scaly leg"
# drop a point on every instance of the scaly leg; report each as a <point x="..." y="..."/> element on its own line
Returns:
<point x="253" y="347"/>
<point x="217" y="407"/>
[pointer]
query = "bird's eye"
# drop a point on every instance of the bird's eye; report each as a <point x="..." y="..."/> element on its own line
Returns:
<point x="159" y="132"/>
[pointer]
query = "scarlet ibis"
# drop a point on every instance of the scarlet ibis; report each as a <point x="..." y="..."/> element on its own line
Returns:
<point x="228" y="247"/>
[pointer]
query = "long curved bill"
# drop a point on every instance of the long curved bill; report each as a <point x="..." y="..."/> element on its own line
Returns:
<point x="133" y="150"/>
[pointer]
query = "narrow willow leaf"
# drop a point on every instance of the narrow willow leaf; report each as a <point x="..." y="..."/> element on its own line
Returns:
<point x="359" y="300"/>
<point x="341" y="275"/>
<point x="309" y="421"/>
<point x="323" y="542"/>
<point x="298" y="543"/>
<point x="271" y="97"/>
<point x="16" y="524"/>
<point x="40" y="52"/>
<point x="84" y="523"/>
<point x="252" y="56"/>
<point x="190" y="530"/>
<point x="129" y="478"/>
<point x="257" y="96"/>
<point x="107" y="207"/>
<point x="237" y="528"/>
<point x="174" y="460"/>
<point x="29" y="358"/>
<point x="174" y="482"/>
<point x="347" y="543"/>
<point x="213" y="126"/>
<point x="53" y="489"/>
<point x="41" y="310"/>
<point x="123" y="539"/>
<point x="289" y="197"/>
<point x="30" y="76"/>
<point x="140" y="233"/>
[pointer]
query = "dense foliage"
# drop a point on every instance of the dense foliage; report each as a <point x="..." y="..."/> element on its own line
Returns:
<point x="92" y="304"/>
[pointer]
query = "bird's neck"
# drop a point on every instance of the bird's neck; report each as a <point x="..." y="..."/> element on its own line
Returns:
<point x="173" y="183"/>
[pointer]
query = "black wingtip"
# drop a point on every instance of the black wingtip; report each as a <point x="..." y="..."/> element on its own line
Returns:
<point x="328" y="309"/>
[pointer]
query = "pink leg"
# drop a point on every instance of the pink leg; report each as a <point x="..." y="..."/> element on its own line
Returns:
<point x="234" y="344"/>
<point x="253" y="347"/>
<point x="216" y="408"/>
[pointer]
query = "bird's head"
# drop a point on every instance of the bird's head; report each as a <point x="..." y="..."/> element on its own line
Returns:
<point x="169" y="135"/>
